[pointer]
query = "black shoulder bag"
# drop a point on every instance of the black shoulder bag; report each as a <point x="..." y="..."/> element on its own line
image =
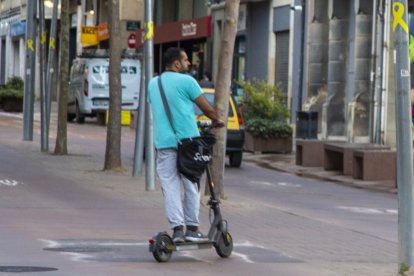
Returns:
<point x="193" y="154"/>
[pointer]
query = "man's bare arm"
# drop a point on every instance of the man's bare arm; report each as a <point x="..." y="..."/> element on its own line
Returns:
<point x="208" y="110"/>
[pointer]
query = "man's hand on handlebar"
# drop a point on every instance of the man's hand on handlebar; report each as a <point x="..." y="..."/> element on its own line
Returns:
<point x="217" y="124"/>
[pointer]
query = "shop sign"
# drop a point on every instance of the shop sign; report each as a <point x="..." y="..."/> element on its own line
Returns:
<point x="89" y="35"/>
<point x="182" y="30"/>
<point x="17" y="29"/>
<point x="188" y="29"/>
<point x="133" y="26"/>
<point x="103" y="32"/>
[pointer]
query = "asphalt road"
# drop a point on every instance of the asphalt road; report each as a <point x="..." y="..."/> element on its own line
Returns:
<point x="64" y="214"/>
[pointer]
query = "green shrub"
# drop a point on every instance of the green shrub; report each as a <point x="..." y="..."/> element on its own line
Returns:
<point x="265" y="111"/>
<point x="266" y="128"/>
<point x="15" y="83"/>
<point x="11" y="99"/>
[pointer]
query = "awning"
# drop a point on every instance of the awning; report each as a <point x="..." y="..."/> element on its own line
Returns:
<point x="179" y="31"/>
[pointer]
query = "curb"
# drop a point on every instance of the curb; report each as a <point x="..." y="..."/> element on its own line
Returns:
<point x="287" y="166"/>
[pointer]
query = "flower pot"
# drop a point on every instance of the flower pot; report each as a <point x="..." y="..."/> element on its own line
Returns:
<point x="271" y="145"/>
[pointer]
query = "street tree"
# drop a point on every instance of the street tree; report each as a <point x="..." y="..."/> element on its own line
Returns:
<point x="113" y="134"/>
<point x="61" y="138"/>
<point x="222" y="94"/>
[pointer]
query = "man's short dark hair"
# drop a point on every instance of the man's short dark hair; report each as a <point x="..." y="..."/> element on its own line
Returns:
<point x="171" y="55"/>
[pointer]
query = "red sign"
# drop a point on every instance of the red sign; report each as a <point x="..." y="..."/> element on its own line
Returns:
<point x="180" y="30"/>
<point x="132" y="41"/>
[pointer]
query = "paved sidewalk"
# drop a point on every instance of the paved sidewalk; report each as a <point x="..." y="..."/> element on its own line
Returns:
<point x="286" y="163"/>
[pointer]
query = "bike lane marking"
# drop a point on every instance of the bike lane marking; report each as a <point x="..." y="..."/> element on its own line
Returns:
<point x="365" y="210"/>
<point x="9" y="182"/>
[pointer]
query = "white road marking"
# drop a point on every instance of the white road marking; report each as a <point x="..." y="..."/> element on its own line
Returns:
<point x="365" y="210"/>
<point x="244" y="257"/>
<point x="8" y="182"/>
<point x="282" y="184"/>
<point x="261" y="183"/>
<point x="189" y="254"/>
<point x="77" y="257"/>
<point x="82" y="257"/>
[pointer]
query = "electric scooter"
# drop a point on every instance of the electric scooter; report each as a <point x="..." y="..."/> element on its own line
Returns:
<point x="162" y="245"/>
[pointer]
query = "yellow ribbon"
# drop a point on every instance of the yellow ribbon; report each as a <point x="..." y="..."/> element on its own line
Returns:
<point x="398" y="13"/>
<point x="150" y="31"/>
<point x="30" y="45"/>
<point x="52" y="43"/>
<point x="43" y="40"/>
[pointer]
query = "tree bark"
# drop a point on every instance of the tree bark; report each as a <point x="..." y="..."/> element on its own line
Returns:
<point x="222" y="94"/>
<point x="113" y="135"/>
<point x="61" y="138"/>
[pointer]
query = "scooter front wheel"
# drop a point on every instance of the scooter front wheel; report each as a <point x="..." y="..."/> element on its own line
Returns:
<point x="224" y="245"/>
<point x="161" y="252"/>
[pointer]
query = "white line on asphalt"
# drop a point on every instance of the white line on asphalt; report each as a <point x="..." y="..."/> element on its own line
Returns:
<point x="55" y="244"/>
<point x="365" y="210"/>
<point x="261" y="183"/>
<point x="248" y="244"/>
<point x="282" y="184"/>
<point x="77" y="257"/>
<point x="244" y="257"/>
<point x="8" y="182"/>
<point x="189" y="254"/>
<point x="285" y="184"/>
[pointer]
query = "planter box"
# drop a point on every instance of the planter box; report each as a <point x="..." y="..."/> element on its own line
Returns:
<point x="273" y="145"/>
<point x="12" y="105"/>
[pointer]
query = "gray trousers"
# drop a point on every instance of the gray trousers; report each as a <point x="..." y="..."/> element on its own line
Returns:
<point x="178" y="212"/>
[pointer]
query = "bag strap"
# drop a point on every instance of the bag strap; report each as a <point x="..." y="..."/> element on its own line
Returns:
<point x="167" y="107"/>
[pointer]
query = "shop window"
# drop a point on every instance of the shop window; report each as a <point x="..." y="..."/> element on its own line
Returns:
<point x="282" y="60"/>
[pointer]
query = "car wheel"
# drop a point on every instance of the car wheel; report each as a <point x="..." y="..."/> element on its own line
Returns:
<point x="71" y="117"/>
<point x="236" y="159"/>
<point x="80" y="118"/>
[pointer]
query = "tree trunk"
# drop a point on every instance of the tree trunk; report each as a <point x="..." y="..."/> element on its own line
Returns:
<point x="113" y="134"/>
<point x="61" y="139"/>
<point x="223" y="82"/>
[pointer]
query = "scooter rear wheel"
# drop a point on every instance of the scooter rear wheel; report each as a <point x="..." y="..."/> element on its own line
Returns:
<point x="224" y="245"/>
<point x="161" y="252"/>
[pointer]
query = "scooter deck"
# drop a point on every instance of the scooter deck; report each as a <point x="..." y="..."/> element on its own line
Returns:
<point x="181" y="246"/>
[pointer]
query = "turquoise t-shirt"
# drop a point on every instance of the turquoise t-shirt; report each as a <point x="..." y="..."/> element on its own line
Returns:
<point x="180" y="90"/>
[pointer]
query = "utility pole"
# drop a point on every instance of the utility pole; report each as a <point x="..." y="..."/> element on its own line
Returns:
<point x="51" y="64"/>
<point x="140" y="127"/>
<point x="372" y="69"/>
<point x="221" y="99"/>
<point x="44" y="138"/>
<point x="149" y="68"/>
<point x="29" y="79"/>
<point x="380" y="69"/>
<point x="404" y="137"/>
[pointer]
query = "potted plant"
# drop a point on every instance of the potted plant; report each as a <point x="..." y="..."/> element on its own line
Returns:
<point x="11" y="96"/>
<point x="266" y="118"/>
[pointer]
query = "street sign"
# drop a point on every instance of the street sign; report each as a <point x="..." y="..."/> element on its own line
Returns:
<point x="133" y="26"/>
<point x="132" y="41"/>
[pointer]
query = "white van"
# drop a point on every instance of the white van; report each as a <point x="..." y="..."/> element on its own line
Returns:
<point x="88" y="93"/>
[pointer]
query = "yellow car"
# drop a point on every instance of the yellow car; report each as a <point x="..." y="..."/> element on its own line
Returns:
<point x="235" y="128"/>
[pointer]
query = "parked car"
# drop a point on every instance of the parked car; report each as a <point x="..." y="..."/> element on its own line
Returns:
<point x="235" y="128"/>
<point x="88" y="93"/>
